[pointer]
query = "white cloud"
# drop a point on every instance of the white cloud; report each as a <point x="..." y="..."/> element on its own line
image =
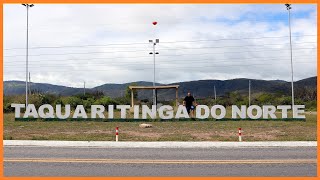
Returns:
<point x="77" y="25"/>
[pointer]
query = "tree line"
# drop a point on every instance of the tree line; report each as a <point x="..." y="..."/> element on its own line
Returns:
<point x="303" y="96"/>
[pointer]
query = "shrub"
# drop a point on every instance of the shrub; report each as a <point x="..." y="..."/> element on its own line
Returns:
<point x="87" y="103"/>
<point x="105" y="101"/>
<point x="122" y="100"/>
<point x="35" y="99"/>
<point x="311" y="105"/>
<point x="48" y="98"/>
<point x="73" y="101"/>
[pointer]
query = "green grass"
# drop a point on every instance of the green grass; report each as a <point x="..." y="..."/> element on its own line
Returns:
<point x="161" y="131"/>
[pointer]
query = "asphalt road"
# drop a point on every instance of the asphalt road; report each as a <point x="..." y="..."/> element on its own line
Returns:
<point x="67" y="161"/>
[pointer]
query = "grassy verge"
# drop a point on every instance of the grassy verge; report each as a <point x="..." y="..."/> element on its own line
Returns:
<point x="162" y="131"/>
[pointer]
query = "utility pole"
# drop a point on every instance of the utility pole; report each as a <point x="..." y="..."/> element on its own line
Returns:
<point x="215" y="95"/>
<point x="289" y="19"/>
<point x="29" y="83"/>
<point x="84" y="88"/>
<point x="249" y="92"/>
<point x="27" y="49"/>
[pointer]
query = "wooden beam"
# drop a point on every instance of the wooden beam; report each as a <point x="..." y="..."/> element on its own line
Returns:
<point x="132" y="100"/>
<point x="177" y="97"/>
<point x="155" y="87"/>
<point x="132" y="88"/>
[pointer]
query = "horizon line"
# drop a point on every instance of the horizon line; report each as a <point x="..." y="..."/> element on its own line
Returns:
<point x="164" y="83"/>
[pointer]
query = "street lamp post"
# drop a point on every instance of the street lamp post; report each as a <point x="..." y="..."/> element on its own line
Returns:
<point x="27" y="49"/>
<point x="154" y="43"/>
<point x="292" y="91"/>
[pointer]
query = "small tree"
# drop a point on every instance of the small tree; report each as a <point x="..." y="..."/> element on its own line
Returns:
<point x="128" y="91"/>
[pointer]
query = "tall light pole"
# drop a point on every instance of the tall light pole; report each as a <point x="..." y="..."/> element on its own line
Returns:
<point x="154" y="43"/>
<point x="27" y="49"/>
<point x="289" y="19"/>
<point x="154" y="65"/>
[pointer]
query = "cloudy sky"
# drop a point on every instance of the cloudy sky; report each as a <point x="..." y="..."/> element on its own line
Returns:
<point x="98" y="44"/>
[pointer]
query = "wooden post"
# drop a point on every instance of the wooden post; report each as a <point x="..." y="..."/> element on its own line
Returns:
<point x="132" y="102"/>
<point x="156" y="96"/>
<point x="176" y="97"/>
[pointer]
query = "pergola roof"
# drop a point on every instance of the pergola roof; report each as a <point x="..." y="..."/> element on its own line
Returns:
<point x="154" y="87"/>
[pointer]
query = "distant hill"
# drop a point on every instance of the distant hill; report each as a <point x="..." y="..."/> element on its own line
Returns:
<point x="200" y="88"/>
<point x="308" y="82"/>
<point x="118" y="90"/>
<point x="18" y="87"/>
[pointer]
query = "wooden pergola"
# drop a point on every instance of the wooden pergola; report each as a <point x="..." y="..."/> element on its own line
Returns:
<point x="132" y="88"/>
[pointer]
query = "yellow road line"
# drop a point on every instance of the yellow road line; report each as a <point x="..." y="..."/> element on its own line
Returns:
<point x="149" y="161"/>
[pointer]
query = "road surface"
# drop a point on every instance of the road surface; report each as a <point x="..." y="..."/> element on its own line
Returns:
<point x="99" y="161"/>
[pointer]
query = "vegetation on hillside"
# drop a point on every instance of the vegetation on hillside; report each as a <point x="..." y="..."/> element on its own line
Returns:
<point x="303" y="96"/>
<point x="201" y="88"/>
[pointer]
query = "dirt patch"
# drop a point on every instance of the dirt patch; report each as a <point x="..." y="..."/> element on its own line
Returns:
<point x="143" y="134"/>
<point x="267" y="135"/>
<point x="205" y="136"/>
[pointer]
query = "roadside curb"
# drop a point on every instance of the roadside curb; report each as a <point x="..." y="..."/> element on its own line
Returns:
<point x="163" y="144"/>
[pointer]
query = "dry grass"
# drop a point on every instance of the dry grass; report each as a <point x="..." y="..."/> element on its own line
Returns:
<point x="162" y="131"/>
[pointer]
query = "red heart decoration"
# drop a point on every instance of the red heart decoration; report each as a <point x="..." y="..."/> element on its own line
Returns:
<point x="154" y="23"/>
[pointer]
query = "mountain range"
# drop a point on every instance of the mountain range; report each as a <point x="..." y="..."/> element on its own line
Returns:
<point x="199" y="88"/>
